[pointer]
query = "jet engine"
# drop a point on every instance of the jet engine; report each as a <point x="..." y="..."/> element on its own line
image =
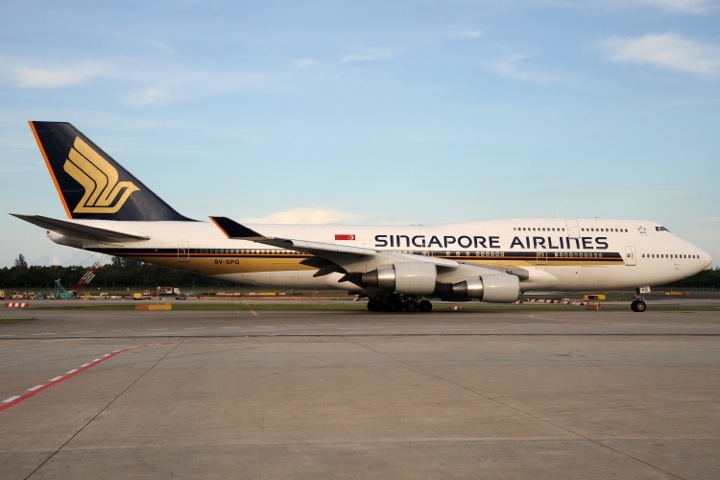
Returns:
<point x="407" y="278"/>
<point x="420" y="278"/>
<point x="497" y="288"/>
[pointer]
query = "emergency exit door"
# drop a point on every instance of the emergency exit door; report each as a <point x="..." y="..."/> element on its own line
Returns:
<point x="183" y="251"/>
<point x="630" y="256"/>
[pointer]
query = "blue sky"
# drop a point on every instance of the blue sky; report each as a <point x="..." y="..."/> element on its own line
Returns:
<point x="420" y="112"/>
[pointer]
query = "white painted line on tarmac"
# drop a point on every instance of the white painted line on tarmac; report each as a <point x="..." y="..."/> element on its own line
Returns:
<point x="37" y="389"/>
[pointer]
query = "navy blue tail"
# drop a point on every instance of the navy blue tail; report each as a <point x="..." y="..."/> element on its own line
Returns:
<point x="91" y="184"/>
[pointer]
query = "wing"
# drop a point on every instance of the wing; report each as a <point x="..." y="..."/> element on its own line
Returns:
<point x="388" y="272"/>
<point x="237" y="231"/>
<point x="342" y="254"/>
<point x="73" y="229"/>
<point x="383" y="271"/>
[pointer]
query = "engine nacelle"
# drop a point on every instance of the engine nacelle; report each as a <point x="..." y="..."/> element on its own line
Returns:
<point x="500" y="288"/>
<point x="408" y="278"/>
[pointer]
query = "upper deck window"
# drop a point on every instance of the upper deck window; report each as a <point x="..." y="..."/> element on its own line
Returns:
<point x="661" y="229"/>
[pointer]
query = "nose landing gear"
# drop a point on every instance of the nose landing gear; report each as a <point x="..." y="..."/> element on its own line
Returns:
<point x="639" y="305"/>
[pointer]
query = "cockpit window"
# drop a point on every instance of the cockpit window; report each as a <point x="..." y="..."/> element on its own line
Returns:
<point x="661" y="229"/>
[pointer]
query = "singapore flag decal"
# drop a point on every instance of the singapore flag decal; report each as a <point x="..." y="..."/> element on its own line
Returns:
<point x="344" y="236"/>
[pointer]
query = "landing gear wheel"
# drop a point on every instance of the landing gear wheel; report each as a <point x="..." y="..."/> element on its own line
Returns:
<point x="425" y="306"/>
<point x="638" y="305"/>
<point x="394" y="304"/>
<point x="411" y="305"/>
<point x="375" y="305"/>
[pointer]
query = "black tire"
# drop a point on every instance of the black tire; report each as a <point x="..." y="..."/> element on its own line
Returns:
<point x="375" y="305"/>
<point x="396" y="305"/>
<point x="425" y="306"/>
<point x="411" y="306"/>
<point x="638" y="305"/>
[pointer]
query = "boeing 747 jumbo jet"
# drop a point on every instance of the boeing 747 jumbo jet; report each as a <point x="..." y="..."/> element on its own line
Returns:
<point x="396" y="267"/>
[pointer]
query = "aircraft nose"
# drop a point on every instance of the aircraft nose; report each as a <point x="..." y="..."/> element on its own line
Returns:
<point x="707" y="259"/>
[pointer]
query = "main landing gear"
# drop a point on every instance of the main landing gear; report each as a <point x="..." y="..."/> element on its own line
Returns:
<point x="639" y="305"/>
<point x="398" y="303"/>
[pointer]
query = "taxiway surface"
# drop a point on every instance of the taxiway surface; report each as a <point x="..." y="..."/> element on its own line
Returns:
<point x="321" y="394"/>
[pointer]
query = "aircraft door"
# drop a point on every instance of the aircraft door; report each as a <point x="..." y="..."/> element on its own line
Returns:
<point x="183" y="251"/>
<point x="573" y="230"/>
<point x="630" y="256"/>
<point x="541" y="257"/>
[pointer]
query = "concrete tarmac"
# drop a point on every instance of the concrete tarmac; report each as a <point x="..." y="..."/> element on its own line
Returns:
<point x="318" y="394"/>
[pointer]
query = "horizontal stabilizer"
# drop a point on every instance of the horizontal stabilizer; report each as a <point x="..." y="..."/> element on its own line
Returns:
<point x="73" y="229"/>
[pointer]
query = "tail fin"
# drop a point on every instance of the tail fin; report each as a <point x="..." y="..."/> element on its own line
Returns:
<point x="90" y="183"/>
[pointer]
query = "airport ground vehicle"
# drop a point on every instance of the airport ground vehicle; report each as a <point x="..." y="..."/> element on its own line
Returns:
<point x="62" y="293"/>
<point x="162" y="291"/>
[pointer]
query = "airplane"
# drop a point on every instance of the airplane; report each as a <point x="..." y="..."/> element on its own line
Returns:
<point x="397" y="268"/>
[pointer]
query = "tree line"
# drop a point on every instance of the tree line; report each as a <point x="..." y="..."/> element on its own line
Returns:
<point x="129" y="274"/>
<point x="119" y="275"/>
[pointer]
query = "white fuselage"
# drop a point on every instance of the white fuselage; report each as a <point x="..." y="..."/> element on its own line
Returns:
<point x="555" y="254"/>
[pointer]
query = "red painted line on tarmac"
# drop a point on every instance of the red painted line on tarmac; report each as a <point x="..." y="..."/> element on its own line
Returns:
<point x="12" y="401"/>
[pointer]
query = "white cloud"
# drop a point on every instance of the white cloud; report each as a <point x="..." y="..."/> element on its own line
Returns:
<point x="302" y="63"/>
<point x="467" y="34"/>
<point x="690" y="7"/>
<point x="686" y="6"/>
<point x="666" y="51"/>
<point x="306" y="215"/>
<point x="515" y="67"/>
<point x="371" y="55"/>
<point x="700" y="101"/>
<point x="148" y="96"/>
<point x="170" y="83"/>
<point x="57" y="77"/>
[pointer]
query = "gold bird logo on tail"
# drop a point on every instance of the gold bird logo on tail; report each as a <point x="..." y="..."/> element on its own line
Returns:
<point x="103" y="192"/>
